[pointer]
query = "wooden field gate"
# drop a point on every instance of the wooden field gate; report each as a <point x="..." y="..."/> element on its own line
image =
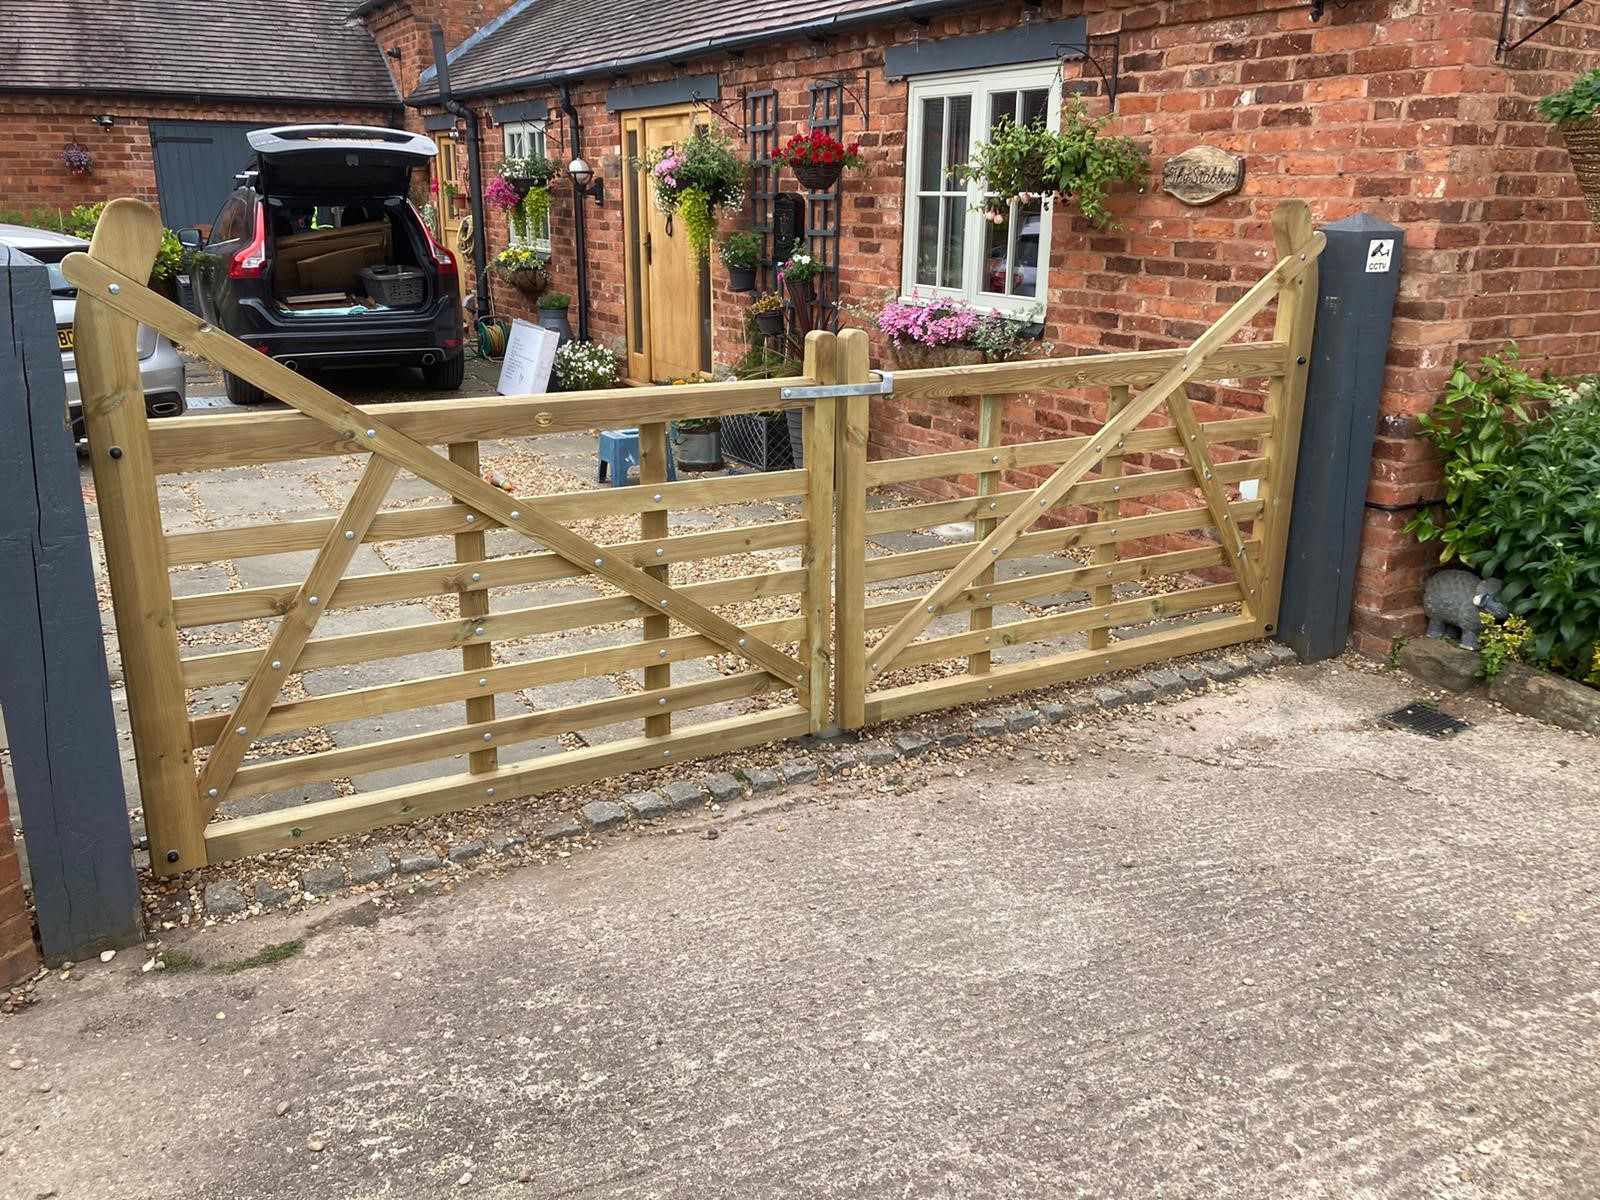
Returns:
<point x="776" y="627"/>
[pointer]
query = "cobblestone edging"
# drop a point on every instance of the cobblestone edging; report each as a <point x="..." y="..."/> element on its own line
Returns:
<point x="231" y="897"/>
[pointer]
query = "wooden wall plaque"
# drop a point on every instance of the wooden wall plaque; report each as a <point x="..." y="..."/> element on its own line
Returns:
<point x="1202" y="175"/>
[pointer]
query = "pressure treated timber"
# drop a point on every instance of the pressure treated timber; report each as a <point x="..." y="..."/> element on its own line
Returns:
<point x="1111" y="510"/>
<point x="214" y="608"/>
<point x="318" y="821"/>
<point x="474" y="605"/>
<point x="439" y="520"/>
<point x="206" y="670"/>
<point x="268" y="776"/>
<point x="126" y="239"/>
<point x="1127" y="487"/>
<point x="1073" y="470"/>
<point x="990" y="411"/>
<point x="201" y="443"/>
<point x="442" y="689"/>
<point x="1246" y="360"/>
<point x="894" y="703"/>
<point x="1051" y="453"/>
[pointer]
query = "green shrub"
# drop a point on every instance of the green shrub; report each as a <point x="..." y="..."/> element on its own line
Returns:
<point x="555" y="300"/>
<point x="1522" y="499"/>
<point x="1576" y="102"/>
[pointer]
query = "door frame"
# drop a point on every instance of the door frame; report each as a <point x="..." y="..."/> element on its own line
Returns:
<point x="636" y="289"/>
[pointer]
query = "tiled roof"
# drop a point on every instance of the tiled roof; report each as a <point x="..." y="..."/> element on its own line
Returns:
<point x="286" y="50"/>
<point x="552" y="38"/>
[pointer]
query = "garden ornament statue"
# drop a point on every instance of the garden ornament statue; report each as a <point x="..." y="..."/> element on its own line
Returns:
<point x="1454" y="600"/>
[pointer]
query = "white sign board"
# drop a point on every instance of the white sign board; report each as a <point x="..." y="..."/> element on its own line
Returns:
<point x="530" y="353"/>
<point x="1380" y="256"/>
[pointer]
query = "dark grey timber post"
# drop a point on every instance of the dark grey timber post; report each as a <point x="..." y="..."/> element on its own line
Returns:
<point x="1360" y="276"/>
<point x="53" y="685"/>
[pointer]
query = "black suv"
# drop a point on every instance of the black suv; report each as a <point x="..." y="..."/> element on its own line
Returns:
<point x="318" y="258"/>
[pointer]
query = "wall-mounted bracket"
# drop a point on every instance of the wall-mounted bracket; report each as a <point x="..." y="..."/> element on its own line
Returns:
<point x="1503" y="46"/>
<point x="856" y="87"/>
<point x="720" y="109"/>
<point x="1103" y="52"/>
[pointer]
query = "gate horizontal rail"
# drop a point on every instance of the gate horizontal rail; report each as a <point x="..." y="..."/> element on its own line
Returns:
<point x="1161" y="539"/>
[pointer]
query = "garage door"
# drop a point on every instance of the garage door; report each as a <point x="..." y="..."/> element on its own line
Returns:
<point x="195" y="165"/>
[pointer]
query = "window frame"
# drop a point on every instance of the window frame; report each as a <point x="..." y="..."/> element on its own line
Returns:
<point x="533" y="135"/>
<point x="977" y="85"/>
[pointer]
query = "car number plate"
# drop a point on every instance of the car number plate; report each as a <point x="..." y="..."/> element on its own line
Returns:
<point x="64" y="336"/>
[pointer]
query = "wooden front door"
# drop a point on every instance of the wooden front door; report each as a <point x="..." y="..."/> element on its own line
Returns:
<point x="667" y="303"/>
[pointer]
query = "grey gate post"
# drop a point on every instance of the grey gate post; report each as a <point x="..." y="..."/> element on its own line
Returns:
<point x="1360" y="277"/>
<point x="54" y="689"/>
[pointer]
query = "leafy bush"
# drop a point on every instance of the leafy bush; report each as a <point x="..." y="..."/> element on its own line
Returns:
<point x="555" y="300"/>
<point x="584" y="366"/>
<point x="172" y="257"/>
<point x="1522" y="499"/>
<point x="83" y="218"/>
<point x="742" y="249"/>
<point x="1576" y="102"/>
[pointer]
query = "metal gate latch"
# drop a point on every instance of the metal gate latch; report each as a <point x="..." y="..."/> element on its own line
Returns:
<point x="883" y="385"/>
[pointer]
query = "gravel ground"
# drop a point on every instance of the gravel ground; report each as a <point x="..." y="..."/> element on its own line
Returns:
<point x="1250" y="943"/>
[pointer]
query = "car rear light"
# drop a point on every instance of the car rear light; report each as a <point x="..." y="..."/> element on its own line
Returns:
<point x="443" y="260"/>
<point x="251" y="261"/>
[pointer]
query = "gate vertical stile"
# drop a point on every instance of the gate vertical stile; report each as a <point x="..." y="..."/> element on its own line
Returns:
<point x="822" y="365"/>
<point x="1286" y="397"/>
<point x="990" y="411"/>
<point x="475" y="656"/>
<point x="135" y="546"/>
<point x="850" y="536"/>
<point x="1105" y="554"/>
<point x="655" y="524"/>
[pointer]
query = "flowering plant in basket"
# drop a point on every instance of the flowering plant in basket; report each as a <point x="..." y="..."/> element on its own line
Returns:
<point x="696" y="180"/>
<point x="76" y="157"/>
<point x="818" y="158"/>
<point x="523" y="269"/>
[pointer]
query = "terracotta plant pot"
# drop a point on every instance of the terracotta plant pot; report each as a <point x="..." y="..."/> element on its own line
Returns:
<point x="913" y="357"/>
<point x="817" y="177"/>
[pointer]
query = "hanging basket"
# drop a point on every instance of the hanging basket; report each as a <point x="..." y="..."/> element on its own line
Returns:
<point x="817" y="177"/>
<point x="1583" y="147"/>
<point x="528" y="280"/>
<point x="913" y="357"/>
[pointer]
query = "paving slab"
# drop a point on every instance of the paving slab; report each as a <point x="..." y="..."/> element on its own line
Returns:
<point x="267" y="570"/>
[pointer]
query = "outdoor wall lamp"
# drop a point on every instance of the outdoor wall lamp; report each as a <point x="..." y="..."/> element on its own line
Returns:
<point x="583" y="177"/>
<point x="105" y="120"/>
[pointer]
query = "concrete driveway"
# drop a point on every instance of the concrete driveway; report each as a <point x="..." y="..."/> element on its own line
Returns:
<point x="1248" y="944"/>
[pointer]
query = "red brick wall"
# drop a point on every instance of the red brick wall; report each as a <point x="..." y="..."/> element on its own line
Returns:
<point x="18" y="955"/>
<point x="35" y="184"/>
<point x="1392" y="107"/>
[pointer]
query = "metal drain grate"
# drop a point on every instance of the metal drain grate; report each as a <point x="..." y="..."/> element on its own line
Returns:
<point x="1426" y="720"/>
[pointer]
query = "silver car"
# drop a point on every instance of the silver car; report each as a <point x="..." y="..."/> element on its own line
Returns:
<point x="160" y="366"/>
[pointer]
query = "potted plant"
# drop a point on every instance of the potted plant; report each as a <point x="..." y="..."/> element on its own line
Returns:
<point x="1572" y="111"/>
<point x="76" y="158"/>
<point x="1076" y="164"/>
<point x="933" y="334"/>
<point x="767" y="309"/>
<point x="741" y="253"/>
<point x="171" y="261"/>
<point x="583" y="367"/>
<point x="523" y="269"/>
<point x="697" y="180"/>
<point x="529" y="179"/>
<point x="818" y="159"/>
<point x="697" y="443"/>
<point x="553" y="314"/>
<point x="799" y="273"/>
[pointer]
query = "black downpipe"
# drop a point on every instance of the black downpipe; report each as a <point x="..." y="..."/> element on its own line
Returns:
<point x="578" y="218"/>
<point x="480" y="250"/>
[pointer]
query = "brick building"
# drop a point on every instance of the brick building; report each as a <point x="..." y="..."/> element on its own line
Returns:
<point x="1398" y="108"/>
<point x="160" y="95"/>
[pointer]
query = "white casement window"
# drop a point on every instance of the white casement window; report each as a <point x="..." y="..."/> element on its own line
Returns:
<point x="523" y="138"/>
<point x="952" y="249"/>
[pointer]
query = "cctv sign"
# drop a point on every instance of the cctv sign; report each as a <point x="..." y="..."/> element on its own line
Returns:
<point x="1380" y="256"/>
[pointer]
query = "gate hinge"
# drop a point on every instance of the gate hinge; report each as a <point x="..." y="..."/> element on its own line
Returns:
<point x="883" y="385"/>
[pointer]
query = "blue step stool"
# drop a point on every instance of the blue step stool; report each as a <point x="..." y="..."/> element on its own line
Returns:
<point x="619" y="450"/>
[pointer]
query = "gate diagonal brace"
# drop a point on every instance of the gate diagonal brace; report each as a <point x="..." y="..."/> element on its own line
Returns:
<point x="368" y="432"/>
<point x="880" y="658"/>
<point x="294" y="631"/>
